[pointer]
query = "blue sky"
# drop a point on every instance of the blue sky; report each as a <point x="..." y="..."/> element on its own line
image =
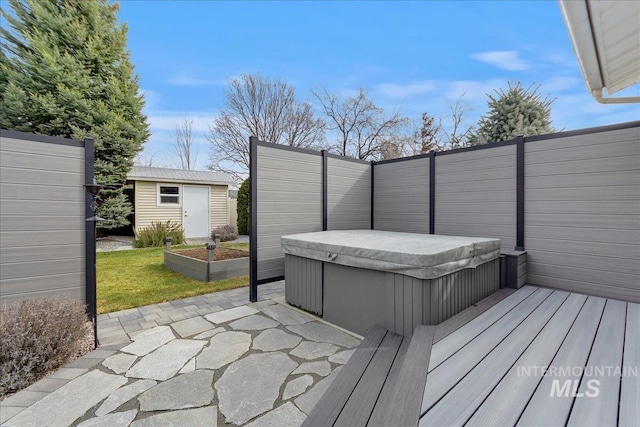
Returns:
<point x="413" y="56"/>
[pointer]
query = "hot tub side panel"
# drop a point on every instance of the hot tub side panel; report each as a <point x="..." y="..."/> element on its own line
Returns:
<point x="357" y="299"/>
<point x="303" y="283"/>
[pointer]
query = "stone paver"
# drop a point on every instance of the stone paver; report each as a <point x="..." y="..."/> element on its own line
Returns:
<point x="117" y="419"/>
<point x="68" y="373"/>
<point x="148" y="340"/>
<point x="286" y="415"/>
<point x="200" y="417"/>
<point x="8" y="412"/>
<point x="190" y="366"/>
<point x="71" y="401"/>
<point x="322" y="368"/>
<point x="230" y="314"/>
<point x="223" y="349"/>
<point x="275" y="339"/>
<point x="188" y="327"/>
<point x="85" y="362"/>
<point x="313" y="350"/>
<point x="316" y="331"/>
<point x="297" y="386"/>
<point x="123" y="395"/>
<point x="256" y="376"/>
<point x="119" y="363"/>
<point x="307" y="401"/>
<point x="285" y="315"/>
<point x="166" y="361"/>
<point x="265" y="372"/>
<point x="24" y="398"/>
<point x="254" y="323"/>
<point x="190" y="390"/>
<point x="209" y="334"/>
<point x="342" y="358"/>
<point x="47" y="385"/>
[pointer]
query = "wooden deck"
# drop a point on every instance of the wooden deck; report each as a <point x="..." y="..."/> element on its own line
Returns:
<point x="491" y="371"/>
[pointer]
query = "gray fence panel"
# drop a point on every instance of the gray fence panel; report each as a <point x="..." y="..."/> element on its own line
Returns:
<point x="348" y="194"/>
<point x="289" y="201"/>
<point x="401" y="196"/>
<point x="42" y="218"/>
<point x="582" y="213"/>
<point x="476" y="194"/>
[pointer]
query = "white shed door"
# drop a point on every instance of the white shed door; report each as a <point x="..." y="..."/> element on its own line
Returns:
<point x="195" y="206"/>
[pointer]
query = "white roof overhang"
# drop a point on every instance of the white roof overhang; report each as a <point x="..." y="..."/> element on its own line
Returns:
<point x="606" y="40"/>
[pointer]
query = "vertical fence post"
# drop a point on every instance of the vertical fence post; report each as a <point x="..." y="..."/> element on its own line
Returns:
<point x="373" y="193"/>
<point x="253" y="225"/>
<point x="325" y="191"/>
<point x="90" y="240"/>
<point x="519" y="193"/>
<point x="432" y="192"/>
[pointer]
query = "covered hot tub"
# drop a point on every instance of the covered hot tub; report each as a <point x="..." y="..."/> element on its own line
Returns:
<point x="359" y="278"/>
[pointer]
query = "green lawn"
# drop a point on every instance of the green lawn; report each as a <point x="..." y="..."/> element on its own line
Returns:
<point x="137" y="277"/>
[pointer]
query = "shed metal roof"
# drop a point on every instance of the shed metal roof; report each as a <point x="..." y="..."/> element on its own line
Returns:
<point x="143" y="173"/>
<point x="606" y="40"/>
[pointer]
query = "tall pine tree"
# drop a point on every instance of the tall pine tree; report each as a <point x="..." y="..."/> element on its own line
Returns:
<point x="65" y="71"/>
<point x="518" y="111"/>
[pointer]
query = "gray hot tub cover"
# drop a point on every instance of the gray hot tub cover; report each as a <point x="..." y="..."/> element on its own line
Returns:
<point x="424" y="256"/>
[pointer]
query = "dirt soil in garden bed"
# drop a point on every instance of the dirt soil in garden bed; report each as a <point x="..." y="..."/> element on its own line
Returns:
<point x="219" y="253"/>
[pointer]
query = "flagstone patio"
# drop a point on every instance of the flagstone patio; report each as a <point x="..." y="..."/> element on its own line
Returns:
<point x="206" y="360"/>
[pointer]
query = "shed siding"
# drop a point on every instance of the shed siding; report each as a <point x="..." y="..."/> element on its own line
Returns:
<point x="349" y="195"/>
<point x="42" y="220"/>
<point x="289" y="201"/>
<point x="582" y="213"/>
<point x="219" y="206"/>
<point x="476" y="194"/>
<point x="147" y="209"/>
<point x="401" y="196"/>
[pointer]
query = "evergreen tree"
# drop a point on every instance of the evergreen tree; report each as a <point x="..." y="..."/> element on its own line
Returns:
<point x="65" y="71"/>
<point x="517" y="111"/>
<point x="244" y="221"/>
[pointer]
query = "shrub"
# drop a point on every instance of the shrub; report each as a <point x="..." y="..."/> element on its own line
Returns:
<point x="38" y="336"/>
<point x="226" y="232"/>
<point x="243" y="208"/>
<point x="155" y="234"/>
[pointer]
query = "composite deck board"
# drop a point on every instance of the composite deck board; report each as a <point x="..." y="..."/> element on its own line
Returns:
<point x="327" y="410"/>
<point x="389" y="385"/>
<point x="545" y="408"/>
<point x="402" y="408"/>
<point x="600" y="390"/>
<point x="451" y="371"/>
<point x="467" y="315"/>
<point x="509" y="398"/>
<point x="457" y="406"/>
<point x="357" y="410"/>
<point x="447" y="346"/>
<point x="630" y="393"/>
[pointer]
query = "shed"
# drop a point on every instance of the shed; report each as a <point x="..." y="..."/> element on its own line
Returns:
<point x="196" y="199"/>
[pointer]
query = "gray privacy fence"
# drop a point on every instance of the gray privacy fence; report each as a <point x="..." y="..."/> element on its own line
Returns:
<point x="297" y="191"/>
<point x="570" y="199"/>
<point x="47" y="247"/>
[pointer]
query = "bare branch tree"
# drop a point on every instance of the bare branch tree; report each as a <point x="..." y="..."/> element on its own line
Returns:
<point x="427" y="136"/>
<point x="265" y="108"/>
<point x="146" y="158"/>
<point x="362" y="128"/>
<point x="458" y="134"/>
<point x="186" y="154"/>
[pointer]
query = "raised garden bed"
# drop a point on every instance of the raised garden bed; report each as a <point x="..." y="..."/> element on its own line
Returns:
<point x="193" y="263"/>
